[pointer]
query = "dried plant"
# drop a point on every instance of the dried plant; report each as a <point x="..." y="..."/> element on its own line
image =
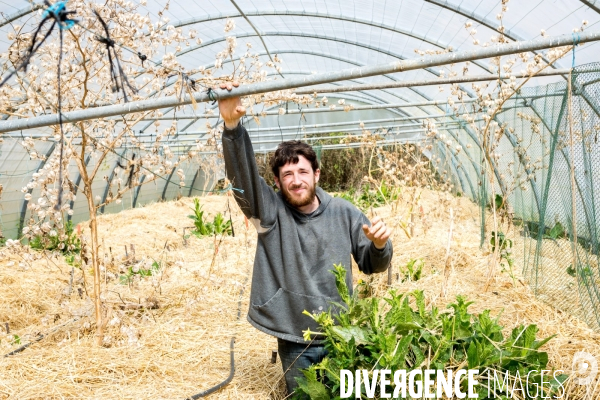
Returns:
<point x="107" y="58"/>
<point x="480" y="117"/>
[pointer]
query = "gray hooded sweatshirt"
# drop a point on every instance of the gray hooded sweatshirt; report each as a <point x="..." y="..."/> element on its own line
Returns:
<point x="295" y="252"/>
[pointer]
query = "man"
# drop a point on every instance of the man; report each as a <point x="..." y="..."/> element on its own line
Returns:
<point x="302" y="233"/>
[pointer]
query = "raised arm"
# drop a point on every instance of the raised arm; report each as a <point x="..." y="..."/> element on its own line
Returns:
<point x="254" y="196"/>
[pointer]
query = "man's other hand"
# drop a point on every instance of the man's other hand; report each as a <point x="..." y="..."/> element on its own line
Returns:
<point x="378" y="233"/>
<point x="231" y="109"/>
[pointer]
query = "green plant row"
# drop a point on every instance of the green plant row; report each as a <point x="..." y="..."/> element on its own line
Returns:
<point x="132" y="271"/>
<point x="67" y="244"/>
<point x="207" y="228"/>
<point x="557" y="231"/>
<point x="366" y="197"/>
<point x="390" y="333"/>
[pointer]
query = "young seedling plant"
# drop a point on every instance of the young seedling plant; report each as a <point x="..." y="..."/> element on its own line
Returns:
<point x="206" y="228"/>
<point x="413" y="270"/>
<point x="502" y="246"/>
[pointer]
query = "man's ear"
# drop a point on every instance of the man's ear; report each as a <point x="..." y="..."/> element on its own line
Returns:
<point x="277" y="182"/>
<point x="317" y="175"/>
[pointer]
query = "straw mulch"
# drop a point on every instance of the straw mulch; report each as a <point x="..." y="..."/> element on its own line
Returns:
<point x="168" y="335"/>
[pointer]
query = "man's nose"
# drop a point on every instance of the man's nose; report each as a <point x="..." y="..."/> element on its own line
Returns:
<point x="296" y="179"/>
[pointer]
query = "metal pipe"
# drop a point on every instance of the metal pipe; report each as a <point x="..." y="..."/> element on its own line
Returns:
<point x="341" y="137"/>
<point x="307" y="80"/>
<point x="198" y="135"/>
<point x="310" y="14"/>
<point x="182" y="138"/>
<point x="316" y="110"/>
<point x="21" y="13"/>
<point x="337" y="109"/>
<point x="456" y="8"/>
<point x="441" y="81"/>
<point x="388" y="85"/>
<point x="355" y="128"/>
<point x="371" y="121"/>
<point x="332" y="146"/>
<point x="43" y="162"/>
<point x="277" y="139"/>
<point x="255" y="30"/>
<point x="591" y="5"/>
<point x="335" y="89"/>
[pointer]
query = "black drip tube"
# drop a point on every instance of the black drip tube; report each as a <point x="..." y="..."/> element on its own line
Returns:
<point x="26" y="345"/>
<point x="226" y="381"/>
<point x="40" y="337"/>
<point x="231" y="359"/>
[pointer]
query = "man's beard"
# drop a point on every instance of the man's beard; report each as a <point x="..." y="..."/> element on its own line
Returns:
<point x="305" y="200"/>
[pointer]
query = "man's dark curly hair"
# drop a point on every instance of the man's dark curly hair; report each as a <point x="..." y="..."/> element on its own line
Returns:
<point x="289" y="151"/>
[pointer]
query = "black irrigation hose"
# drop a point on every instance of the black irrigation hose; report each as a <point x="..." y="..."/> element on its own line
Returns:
<point x="26" y="345"/>
<point x="226" y="381"/>
<point x="231" y="352"/>
<point x="40" y="337"/>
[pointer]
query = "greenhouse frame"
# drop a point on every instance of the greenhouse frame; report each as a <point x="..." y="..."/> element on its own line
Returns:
<point x="114" y="107"/>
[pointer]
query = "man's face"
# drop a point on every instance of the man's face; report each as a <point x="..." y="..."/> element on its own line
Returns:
<point x="298" y="182"/>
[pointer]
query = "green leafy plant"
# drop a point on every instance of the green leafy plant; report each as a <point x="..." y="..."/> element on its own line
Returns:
<point x="502" y="207"/>
<point x="413" y="270"/>
<point x="139" y="270"/>
<point x="220" y="226"/>
<point x="398" y="332"/>
<point x="67" y="241"/>
<point x="202" y="228"/>
<point x="504" y="251"/>
<point x="499" y="203"/>
<point x="368" y="197"/>
<point x="207" y="228"/>
<point x="73" y="260"/>
<point x="557" y="232"/>
<point x="348" y="195"/>
<point x="585" y="271"/>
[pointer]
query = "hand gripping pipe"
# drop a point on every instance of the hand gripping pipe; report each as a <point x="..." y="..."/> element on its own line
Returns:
<point x="302" y="81"/>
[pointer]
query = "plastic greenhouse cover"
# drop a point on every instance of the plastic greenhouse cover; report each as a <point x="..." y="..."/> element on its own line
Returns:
<point x="320" y="36"/>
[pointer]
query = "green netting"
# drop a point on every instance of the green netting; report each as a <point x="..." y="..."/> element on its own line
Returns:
<point x="318" y="150"/>
<point x="555" y="244"/>
<point x="551" y="220"/>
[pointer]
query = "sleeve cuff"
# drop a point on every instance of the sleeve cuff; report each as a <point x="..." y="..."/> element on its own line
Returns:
<point x="234" y="133"/>
<point x="379" y="251"/>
